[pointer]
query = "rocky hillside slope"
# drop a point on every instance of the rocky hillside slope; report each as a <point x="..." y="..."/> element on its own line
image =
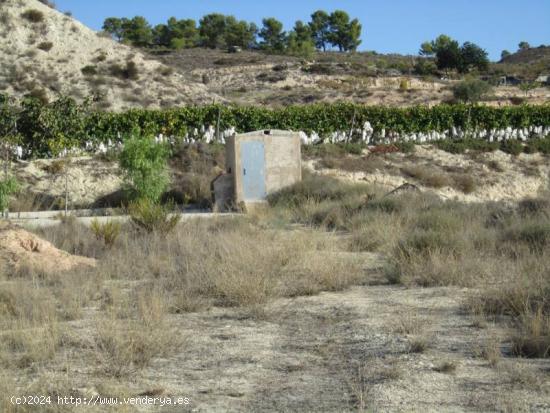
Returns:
<point x="253" y="78"/>
<point x="46" y="53"/>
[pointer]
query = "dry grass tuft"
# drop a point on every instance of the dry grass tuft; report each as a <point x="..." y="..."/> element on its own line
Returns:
<point x="448" y="367"/>
<point x="491" y="351"/>
<point x="427" y="176"/>
<point x="128" y="340"/>
<point x="418" y="344"/>
<point x="409" y="324"/>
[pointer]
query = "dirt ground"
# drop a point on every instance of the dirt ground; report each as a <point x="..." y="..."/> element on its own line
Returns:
<point x="495" y="176"/>
<point x="333" y="352"/>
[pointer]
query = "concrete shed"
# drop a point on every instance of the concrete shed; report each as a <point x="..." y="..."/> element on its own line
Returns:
<point x="258" y="164"/>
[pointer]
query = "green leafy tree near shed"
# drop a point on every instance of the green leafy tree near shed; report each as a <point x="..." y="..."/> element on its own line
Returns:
<point x="144" y="163"/>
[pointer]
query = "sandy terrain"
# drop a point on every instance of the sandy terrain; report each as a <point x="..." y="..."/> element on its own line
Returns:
<point x="497" y="175"/>
<point x="24" y="66"/>
<point x="88" y="179"/>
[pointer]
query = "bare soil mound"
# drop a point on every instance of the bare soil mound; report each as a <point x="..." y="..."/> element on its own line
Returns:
<point x="46" y="53"/>
<point x="22" y="249"/>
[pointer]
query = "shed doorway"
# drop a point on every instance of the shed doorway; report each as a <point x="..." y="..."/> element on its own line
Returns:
<point x="253" y="170"/>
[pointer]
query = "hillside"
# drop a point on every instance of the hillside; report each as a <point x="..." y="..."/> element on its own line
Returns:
<point x="529" y="56"/>
<point x="253" y="78"/>
<point x="529" y="63"/>
<point x="47" y="53"/>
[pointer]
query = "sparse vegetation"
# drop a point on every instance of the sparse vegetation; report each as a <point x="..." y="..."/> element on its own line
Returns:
<point x="89" y="70"/>
<point x="107" y="232"/>
<point x="130" y="71"/>
<point x="45" y="46"/>
<point x="33" y="15"/>
<point x="345" y="291"/>
<point x="152" y="216"/>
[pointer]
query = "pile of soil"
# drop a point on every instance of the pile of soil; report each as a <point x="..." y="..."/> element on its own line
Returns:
<point x="20" y="248"/>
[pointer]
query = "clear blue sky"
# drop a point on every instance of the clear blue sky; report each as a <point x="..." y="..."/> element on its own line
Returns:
<point x="397" y="26"/>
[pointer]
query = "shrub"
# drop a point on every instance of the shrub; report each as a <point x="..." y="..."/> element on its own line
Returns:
<point x="33" y="15"/>
<point x="427" y="176"/>
<point x="425" y="67"/>
<point x="107" y="232"/>
<point x="471" y="90"/>
<point x="129" y="71"/>
<point x="535" y="234"/>
<point x="517" y="100"/>
<point x="534" y="338"/>
<point x="314" y="188"/>
<point x="40" y="95"/>
<point x="353" y="148"/>
<point x="511" y="146"/>
<point x="387" y="205"/>
<point x="167" y="71"/>
<point x="458" y="146"/>
<point x="425" y="242"/>
<point x="464" y="182"/>
<point x="271" y="77"/>
<point x="101" y="57"/>
<point x="534" y="207"/>
<point x="539" y="145"/>
<point x="406" y="147"/>
<point x="89" y="70"/>
<point x="56" y="167"/>
<point x="144" y="164"/>
<point x="48" y="3"/>
<point x="152" y="216"/>
<point x="45" y="46"/>
<point x="8" y="187"/>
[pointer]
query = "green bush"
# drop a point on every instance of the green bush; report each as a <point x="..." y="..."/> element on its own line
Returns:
<point x="471" y="90"/>
<point x="8" y="187"/>
<point x="89" y="70"/>
<point x="458" y="146"/>
<point x="144" y="163"/>
<point x="539" y="145"/>
<point x="47" y="129"/>
<point x="99" y="126"/>
<point x="511" y="146"/>
<point x="152" y="216"/>
<point x="406" y="147"/>
<point x="107" y="232"/>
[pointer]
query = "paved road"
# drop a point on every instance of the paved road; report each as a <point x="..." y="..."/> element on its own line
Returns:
<point x="48" y="221"/>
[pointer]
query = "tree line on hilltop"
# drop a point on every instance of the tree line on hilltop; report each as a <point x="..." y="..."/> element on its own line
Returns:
<point x="218" y="31"/>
